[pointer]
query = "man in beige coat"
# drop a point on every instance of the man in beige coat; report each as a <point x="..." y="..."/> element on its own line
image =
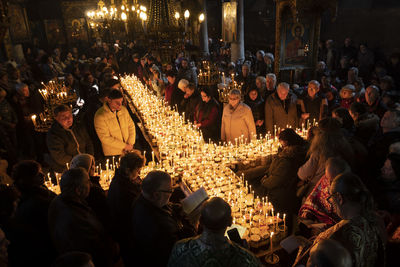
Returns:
<point x="281" y="109"/>
<point x="114" y="126"/>
<point x="237" y="120"/>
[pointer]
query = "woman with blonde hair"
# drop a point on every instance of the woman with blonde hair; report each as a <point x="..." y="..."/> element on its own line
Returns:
<point x="329" y="142"/>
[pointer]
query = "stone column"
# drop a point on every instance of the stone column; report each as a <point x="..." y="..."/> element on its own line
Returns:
<point x="237" y="48"/>
<point x="203" y="30"/>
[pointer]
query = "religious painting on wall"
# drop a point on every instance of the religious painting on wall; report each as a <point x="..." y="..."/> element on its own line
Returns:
<point x="19" y="29"/>
<point x="77" y="30"/>
<point x="296" y="44"/>
<point x="54" y="32"/>
<point x="229" y="33"/>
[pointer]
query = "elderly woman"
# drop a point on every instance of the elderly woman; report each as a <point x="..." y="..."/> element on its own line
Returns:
<point x="237" y="120"/>
<point x="330" y="142"/>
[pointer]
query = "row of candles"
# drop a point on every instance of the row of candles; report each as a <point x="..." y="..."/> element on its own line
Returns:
<point x="183" y="152"/>
<point x="54" y="90"/>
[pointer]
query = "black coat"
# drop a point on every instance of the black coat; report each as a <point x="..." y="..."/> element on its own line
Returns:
<point x="281" y="178"/>
<point x="190" y="105"/>
<point x="62" y="146"/>
<point x="155" y="231"/>
<point x="74" y="227"/>
<point x="97" y="201"/>
<point x="121" y="195"/>
<point x="177" y="99"/>
<point x="257" y="108"/>
<point x="30" y="243"/>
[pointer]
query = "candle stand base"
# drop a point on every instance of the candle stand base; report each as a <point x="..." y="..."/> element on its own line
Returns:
<point x="272" y="258"/>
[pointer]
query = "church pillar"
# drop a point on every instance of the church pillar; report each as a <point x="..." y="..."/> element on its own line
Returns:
<point x="204" y="30"/>
<point x="237" y="48"/>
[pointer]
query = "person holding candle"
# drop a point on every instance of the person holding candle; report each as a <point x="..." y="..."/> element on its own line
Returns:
<point x="281" y="109"/>
<point x="237" y="120"/>
<point x="66" y="139"/>
<point x="124" y="189"/>
<point x="206" y="115"/>
<point x="212" y="245"/>
<point x="114" y="126"/>
<point x="25" y="104"/>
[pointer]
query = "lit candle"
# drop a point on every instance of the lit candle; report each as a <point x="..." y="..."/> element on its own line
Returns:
<point x="152" y="156"/>
<point x="34" y="120"/>
<point x="67" y="165"/>
<point x="284" y="222"/>
<point x="272" y="234"/>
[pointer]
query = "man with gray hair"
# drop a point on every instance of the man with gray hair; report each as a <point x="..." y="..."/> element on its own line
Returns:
<point x="178" y="95"/>
<point x="156" y="223"/>
<point x="73" y="225"/>
<point x="270" y="84"/>
<point x="281" y="109"/>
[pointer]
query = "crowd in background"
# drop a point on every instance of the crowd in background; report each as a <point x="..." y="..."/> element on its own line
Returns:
<point x="341" y="184"/>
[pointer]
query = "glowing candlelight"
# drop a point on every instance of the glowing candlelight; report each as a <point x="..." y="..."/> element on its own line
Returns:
<point x="34" y="120"/>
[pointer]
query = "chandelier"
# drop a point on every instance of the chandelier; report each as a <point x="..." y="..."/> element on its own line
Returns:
<point x="114" y="12"/>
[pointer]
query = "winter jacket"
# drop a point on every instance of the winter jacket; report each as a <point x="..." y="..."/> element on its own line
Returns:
<point x="281" y="178"/>
<point x="237" y="122"/>
<point x="64" y="144"/>
<point x="74" y="227"/>
<point x="114" y="129"/>
<point x="280" y="113"/>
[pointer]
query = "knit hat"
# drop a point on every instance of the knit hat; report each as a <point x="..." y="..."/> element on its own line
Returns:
<point x="83" y="160"/>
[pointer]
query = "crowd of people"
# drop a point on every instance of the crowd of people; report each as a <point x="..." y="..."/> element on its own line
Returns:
<point x="339" y="187"/>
